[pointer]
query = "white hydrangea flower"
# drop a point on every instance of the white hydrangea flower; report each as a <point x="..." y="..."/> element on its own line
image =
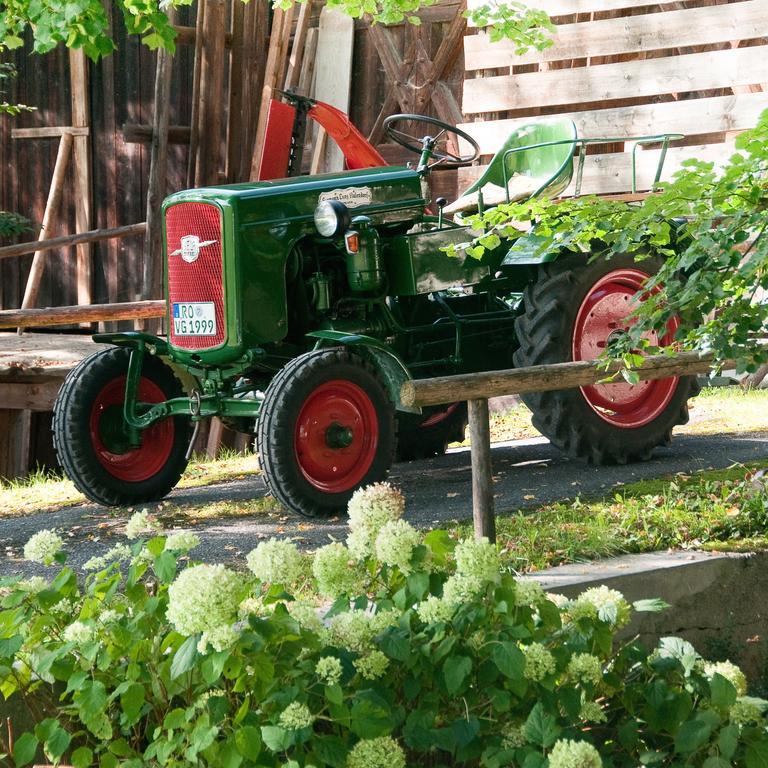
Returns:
<point x="528" y="592"/>
<point x="568" y="753"/>
<point x="585" y="668"/>
<point x="251" y="605"/>
<point x="539" y="662"/>
<point x="118" y="553"/>
<point x="513" y="736"/>
<point x="747" y="709"/>
<point x="141" y="522"/>
<point x="65" y="607"/>
<point x="33" y="584"/>
<point x="219" y="638"/>
<point x="478" y="559"/>
<point x="296" y="716"/>
<point x="307" y="616"/>
<point x="203" y="597"/>
<point x="730" y="672"/>
<point x="182" y="541"/>
<point x="606" y="604"/>
<point x="459" y="589"/>
<point x="336" y="571"/>
<point x="276" y="561"/>
<point x="592" y="712"/>
<point x="372" y="665"/>
<point x="355" y="630"/>
<point x="79" y="633"/>
<point x="383" y="752"/>
<point x="43" y="547"/>
<point x="395" y="544"/>
<point x="328" y="669"/>
<point x="561" y="601"/>
<point x="476" y="641"/>
<point x="435" y="610"/>
<point x="369" y="509"/>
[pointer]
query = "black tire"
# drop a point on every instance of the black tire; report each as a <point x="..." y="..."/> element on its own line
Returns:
<point x="88" y="438"/>
<point x="420" y="437"/>
<point x="553" y="307"/>
<point x="301" y="474"/>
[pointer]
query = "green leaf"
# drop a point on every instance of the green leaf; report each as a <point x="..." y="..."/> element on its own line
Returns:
<point x="24" y="749"/>
<point x="132" y="701"/>
<point x="334" y="694"/>
<point x="728" y="741"/>
<point x="248" y="741"/>
<point x="9" y="645"/>
<point x="370" y="716"/>
<point x="693" y="734"/>
<point x="331" y="750"/>
<point x="455" y="672"/>
<point x="757" y="755"/>
<point x="82" y="757"/>
<point x="276" y="738"/>
<point x="654" y="605"/>
<point x="509" y="659"/>
<point x="541" y="728"/>
<point x="716" y="762"/>
<point x="184" y="658"/>
<point x="165" y="567"/>
<point x="723" y="692"/>
<point x="57" y="743"/>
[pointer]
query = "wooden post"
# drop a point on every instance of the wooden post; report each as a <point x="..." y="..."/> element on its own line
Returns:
<point x="482" y="475"/>
<point x="78" y="73"/>
<point x="153" y="273"/>
<point x="298" y="48"/>
<point x="308" y="64"/>
<point x="194" y="136"/>
<point x="49" y="217"/>
<point x="15" y="427"/>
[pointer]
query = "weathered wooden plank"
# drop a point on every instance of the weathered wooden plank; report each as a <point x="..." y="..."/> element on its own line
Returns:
<point x="49" y="132"/>
<point x="96" y="235"/>
<point x="569" y="7"/>
<point x="630" y="34"/>
<point x="611" y="173"/>
<point x="135" y="133"/>
<point x="37" y="396"/>
<point x="606" y="82"/>
<point x="26" y="318"/>
<point x="690" y="117"/>
<point x="297" y="49"/>
<point x="38" y="356"/>
<point x="14" y="443"/>
<point x="543" y="378"/>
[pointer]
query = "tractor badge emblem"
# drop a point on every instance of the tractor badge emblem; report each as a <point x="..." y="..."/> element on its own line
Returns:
<point x="190" y="247"/>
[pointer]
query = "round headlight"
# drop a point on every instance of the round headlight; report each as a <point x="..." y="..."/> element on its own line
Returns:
<point x="331" y="218"/>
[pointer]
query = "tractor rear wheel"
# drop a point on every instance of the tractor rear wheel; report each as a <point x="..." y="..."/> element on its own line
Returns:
<point x="89" y="432"/>
<point x="420" y="437"/>
<point x="326" y="428"/>
<point x="571" y="312"/>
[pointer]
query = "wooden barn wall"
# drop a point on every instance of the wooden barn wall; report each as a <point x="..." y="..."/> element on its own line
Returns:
<point x="623" y="68"/>
<point x="121" y="88"/>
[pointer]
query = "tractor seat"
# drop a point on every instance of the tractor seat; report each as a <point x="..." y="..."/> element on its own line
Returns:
<point x="536" y="158"/>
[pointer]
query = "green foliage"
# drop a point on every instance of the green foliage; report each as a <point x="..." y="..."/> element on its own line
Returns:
<point x="708" y="224"/>
<point x="12" y="224"/>
<point x="84" y="23"/>
<point x="113" y="682"/>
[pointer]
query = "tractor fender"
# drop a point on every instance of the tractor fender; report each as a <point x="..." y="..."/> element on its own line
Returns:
<point x="393" y="370"/>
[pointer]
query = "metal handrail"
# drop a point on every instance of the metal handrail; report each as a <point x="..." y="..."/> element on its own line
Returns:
<point x="663" y="138"/>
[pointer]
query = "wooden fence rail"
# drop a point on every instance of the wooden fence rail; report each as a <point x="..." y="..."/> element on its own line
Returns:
<point x="24" y="318"/>
<point x="476" y="388"/>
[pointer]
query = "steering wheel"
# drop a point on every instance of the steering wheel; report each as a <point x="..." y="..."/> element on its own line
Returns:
<point x="445" y="158"/>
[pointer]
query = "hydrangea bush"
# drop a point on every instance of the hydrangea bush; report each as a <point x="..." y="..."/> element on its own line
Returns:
<point x="396" y="649"/>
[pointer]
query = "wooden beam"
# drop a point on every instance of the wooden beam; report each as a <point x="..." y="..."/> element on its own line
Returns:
<point x="94" y="236"/>
<point x="194" y="136"/>
<point x="25" y="318"/>
<point x="628" y="34"/>
<point x="647" y="77"/>
<point x="570" y="7"/>
<point x="306" y="77"/>
<point x="543" y="378"/>
<point x="297" y="49"/>
<point x="482" y="472"/>
<point x="137" y="133"/>
<point x="38" y="396"/>
<point x="49" y="132"/>
<point x="188" y="36"/>
<point x="78" y="72"/>
<point x="14" y="443"/>
<point x="152" y="273"/>
<point x="52" y="206"/>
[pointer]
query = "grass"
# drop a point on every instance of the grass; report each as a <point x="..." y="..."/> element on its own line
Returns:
<point x="724" y="510"/>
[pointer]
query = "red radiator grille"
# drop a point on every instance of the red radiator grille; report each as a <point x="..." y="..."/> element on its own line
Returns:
<point x="194" y="248"/>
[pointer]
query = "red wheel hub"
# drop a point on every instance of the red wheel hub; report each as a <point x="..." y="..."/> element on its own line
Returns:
<point x="121" y="460"/>
<point x="603" y="313"/>
<point x="336" y="437"/>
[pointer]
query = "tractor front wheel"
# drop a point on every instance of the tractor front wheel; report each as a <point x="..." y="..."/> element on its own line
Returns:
<point x="326" y="428"/>
<point x="571" y="313"/>
<point x="91" y="438"/>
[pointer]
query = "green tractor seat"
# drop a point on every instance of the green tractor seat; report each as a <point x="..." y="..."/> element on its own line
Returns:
<point x="537" y="158"/>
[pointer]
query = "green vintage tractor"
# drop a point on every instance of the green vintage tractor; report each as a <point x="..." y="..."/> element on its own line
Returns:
<point x="297" y="307"/>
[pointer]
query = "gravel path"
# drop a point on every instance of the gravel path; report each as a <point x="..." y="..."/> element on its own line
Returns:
<point x="527" y="473"/>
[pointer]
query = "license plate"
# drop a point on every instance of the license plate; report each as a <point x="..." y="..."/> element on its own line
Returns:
<point x="194" y="318"/>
